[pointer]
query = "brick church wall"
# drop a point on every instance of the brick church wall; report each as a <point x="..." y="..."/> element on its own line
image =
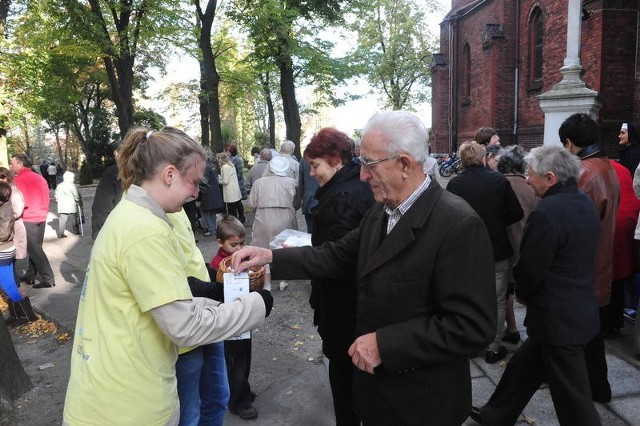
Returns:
<point x="608" y="57"/>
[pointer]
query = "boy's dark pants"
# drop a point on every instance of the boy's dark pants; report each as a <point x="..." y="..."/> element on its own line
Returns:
<point x="237" y="353"/>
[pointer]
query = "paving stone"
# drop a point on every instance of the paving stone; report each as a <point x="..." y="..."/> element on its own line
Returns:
<point x="628" y="408"/>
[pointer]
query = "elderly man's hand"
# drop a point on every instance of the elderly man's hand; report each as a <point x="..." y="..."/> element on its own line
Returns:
<point x="250" y="256"/>
<point x="364" y="353"/>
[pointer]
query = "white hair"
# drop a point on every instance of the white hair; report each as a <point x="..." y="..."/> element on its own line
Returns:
<point x="287" y="147"/>
<point x="403" y="132"/>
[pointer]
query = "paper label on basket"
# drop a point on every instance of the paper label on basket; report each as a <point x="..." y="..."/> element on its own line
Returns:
<point x="236" y="285"/>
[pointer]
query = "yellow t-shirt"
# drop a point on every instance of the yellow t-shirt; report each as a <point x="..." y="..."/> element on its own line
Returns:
<point x="195" y="266"/>
<point x="122" y="365"/>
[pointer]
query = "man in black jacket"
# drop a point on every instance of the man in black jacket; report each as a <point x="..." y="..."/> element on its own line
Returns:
<point x="555" y="281"/>
<point x="491" y="196"/>
<point x="108" y="194"/>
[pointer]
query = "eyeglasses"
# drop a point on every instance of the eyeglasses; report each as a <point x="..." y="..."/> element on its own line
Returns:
<point x="368" y="164"/>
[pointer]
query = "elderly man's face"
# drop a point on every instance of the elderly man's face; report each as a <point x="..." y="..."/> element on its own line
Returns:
<point x="537" y="182"/>
<point x="384" y="174"/>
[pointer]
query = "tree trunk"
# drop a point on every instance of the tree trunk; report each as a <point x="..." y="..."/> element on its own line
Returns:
<point x="270" y="111"/>
<point x="119" y="60"/>
<point x="211" y="76"/>
<point x="13" y="380"/>
<point x="204" y="110"/>
<point x="289" y="103"/>
<point x="4" y="12"/>
<point x="120" y="77"/>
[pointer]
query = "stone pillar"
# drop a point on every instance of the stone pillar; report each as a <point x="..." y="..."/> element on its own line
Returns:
<point x="571" y="95"/>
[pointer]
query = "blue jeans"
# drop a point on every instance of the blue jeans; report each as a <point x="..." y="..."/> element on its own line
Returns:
<point x="209" y="217"/>
<point x="214" y="385"/>
<point x="188" y="372"/>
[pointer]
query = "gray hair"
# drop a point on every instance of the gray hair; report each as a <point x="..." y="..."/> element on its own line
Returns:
<point x="556" y="159"/>
<point x="511" y="160"/>
<point x="287" y="147"/>
<point x="403" y="132"/>
<point x="265" y="154"/>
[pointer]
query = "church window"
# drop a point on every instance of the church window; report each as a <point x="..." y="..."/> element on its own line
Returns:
<point x="536" y="46"/>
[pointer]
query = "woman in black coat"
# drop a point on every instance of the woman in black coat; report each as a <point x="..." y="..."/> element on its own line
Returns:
<point x="342" y="202"/>
<point x="210" y="197"/>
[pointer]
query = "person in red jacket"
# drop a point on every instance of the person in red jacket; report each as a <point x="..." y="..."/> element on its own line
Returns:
<point x="36" y="206"/>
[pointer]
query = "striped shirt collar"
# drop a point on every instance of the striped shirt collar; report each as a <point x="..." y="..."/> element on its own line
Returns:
<point x="394" y="215"/>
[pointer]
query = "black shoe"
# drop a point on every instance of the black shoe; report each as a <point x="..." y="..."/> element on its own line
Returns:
<point x="475" y="415"/>
<point x="492" y="357"/>
<point x="511" y="337"/>
<point x="246" y="413"/>
<point x="44" y="284"/>
<point x="16" y="322"/>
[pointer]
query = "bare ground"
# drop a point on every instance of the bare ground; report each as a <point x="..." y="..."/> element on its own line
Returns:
<point x="44" y="353"/>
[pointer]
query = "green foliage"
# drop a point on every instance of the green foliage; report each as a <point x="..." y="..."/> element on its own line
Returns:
<point x="148" y="118"/>
<point x="394" y="49"/>
<point x="261" y="138"/>
<point x="228" y="134"/>
<point x="86" y="174"/>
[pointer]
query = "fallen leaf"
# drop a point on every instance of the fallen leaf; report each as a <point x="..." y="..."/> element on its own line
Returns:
<point x="38" y="328"/>
<point x="64" y="337"/>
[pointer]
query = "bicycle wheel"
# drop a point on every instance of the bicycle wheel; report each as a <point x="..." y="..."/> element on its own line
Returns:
<point x="445" y="170"/>
<point x="458" y="167"/>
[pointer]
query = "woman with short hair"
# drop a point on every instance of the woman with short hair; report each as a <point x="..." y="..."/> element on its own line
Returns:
<point x="343" y="200"/>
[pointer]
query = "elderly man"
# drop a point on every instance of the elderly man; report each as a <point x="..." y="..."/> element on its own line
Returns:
<point x="259" y="169"/>
<point x="555" y="280"/>
<point x="426" y="294"/>
<point x="36" y="206"/>
<point x="286" y="150"/>
<point x="580" y="135"/>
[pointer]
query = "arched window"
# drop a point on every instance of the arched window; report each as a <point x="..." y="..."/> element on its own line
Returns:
<point x="466" y="72"/>
<point x="536" y="46"/>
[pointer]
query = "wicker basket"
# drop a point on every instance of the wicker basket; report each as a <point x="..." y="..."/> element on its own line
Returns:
<point x="256" y="274"/>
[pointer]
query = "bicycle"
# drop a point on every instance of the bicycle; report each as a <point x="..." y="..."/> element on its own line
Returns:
<point x="450" y="166"/>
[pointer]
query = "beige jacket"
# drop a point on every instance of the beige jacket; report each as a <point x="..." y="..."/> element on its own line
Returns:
<point x="229" y="181"/>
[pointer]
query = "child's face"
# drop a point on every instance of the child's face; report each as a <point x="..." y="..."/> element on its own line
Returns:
<point x="231" y="244"/>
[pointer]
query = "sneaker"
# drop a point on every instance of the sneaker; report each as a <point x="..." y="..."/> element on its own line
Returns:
<point x="246" y="413"/>
<point x="630" y="314"/>
<point x="207" y="234"/>
<point x="283" y="285"/>
<point x="492" y="357"/>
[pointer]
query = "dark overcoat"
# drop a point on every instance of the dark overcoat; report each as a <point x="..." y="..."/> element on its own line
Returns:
<point x="555" y="270"/>
<point x="427" y="290"/>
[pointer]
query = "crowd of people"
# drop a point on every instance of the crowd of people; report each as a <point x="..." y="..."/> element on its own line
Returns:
<point x="399" y="302"/>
